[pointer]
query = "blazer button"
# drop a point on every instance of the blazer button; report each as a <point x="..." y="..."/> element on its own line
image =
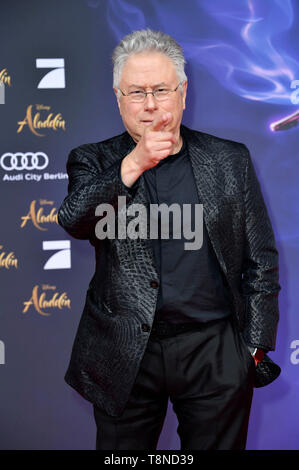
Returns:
<point x="145" y="327"/>
<point x="154" y="284"/>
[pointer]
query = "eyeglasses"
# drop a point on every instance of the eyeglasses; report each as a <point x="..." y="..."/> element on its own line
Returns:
<point x="139" y="96"/>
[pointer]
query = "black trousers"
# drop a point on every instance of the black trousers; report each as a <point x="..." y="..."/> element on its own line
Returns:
<point x="208" y="376"/>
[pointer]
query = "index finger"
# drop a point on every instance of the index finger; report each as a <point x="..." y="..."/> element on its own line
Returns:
<point x="161" y="122"/>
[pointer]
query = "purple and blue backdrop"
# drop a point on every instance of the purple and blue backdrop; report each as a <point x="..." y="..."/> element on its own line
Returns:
<point x="55" y="94"/>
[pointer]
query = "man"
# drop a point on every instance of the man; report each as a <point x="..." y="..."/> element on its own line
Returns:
<point x="161" y="321"/>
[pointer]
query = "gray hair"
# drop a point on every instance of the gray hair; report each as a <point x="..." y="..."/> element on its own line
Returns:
<point x="147" y="40"/>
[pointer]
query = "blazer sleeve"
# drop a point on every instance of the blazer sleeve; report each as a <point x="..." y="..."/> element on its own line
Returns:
<point x="89" y="185"/>
<point x="260" y="284"/>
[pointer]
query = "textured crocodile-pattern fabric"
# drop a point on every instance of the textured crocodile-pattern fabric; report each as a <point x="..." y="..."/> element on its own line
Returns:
<point x="121" y="299"/>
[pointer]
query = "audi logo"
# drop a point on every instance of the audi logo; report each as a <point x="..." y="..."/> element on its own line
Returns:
<point x="24" y="161"/>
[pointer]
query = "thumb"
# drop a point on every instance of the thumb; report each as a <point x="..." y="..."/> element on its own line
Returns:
<point x="161" y="122"/>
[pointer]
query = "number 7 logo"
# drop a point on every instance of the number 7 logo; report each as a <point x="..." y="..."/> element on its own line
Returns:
<point x="61" y="259"/>
<point x="54" y="78"/>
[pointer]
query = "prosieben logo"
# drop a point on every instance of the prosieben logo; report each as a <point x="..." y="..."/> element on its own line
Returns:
<point x="2" y="353"/>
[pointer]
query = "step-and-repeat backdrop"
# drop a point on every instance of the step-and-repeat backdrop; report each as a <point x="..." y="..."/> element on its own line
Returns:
<point x="55" y="94"/>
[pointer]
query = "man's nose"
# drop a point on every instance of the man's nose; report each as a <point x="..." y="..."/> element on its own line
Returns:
<point x="150" y="102"/>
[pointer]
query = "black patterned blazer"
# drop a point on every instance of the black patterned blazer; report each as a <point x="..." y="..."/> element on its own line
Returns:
<point x="121" y="299"/>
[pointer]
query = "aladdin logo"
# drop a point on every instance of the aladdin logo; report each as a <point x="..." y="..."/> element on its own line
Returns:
<point x="35" y="122"/>
<point x="4" y="77"/>
<point x="9" y="260"/>
<point x="38" y="217"/>
<point x="39" y="301"/>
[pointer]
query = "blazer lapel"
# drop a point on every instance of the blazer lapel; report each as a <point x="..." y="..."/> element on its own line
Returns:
<point x="204" y="165"/>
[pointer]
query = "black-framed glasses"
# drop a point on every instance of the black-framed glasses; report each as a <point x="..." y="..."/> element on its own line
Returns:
<point x="161" y="94"/>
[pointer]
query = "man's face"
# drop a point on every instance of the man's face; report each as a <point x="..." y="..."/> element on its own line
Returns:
<point x="149" y="71"/>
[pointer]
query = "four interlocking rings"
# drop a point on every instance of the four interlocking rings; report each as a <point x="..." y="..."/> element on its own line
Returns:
<point x="24" y="161"/>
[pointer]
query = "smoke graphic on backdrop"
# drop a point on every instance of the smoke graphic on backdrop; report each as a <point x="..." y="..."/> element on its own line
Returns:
<point x="245" y="51"/>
